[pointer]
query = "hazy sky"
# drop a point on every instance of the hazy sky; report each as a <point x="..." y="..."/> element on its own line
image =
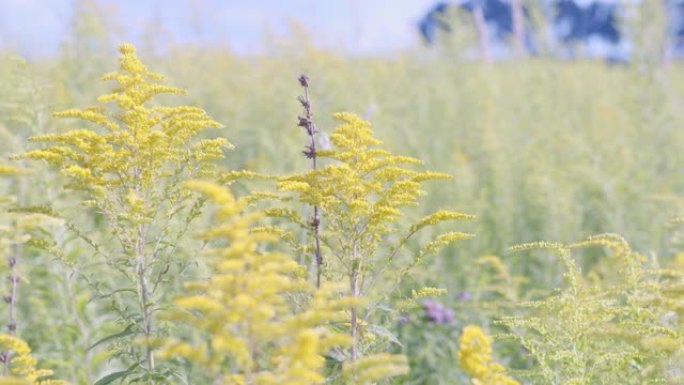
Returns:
<point x="36" y="27"/>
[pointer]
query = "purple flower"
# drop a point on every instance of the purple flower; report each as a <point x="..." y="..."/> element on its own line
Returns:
<point x="437" y="313"/>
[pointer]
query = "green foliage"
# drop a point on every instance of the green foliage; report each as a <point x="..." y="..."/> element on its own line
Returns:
<point x="18" y="365"/>
<point x="597" y="330"/>
<point x="430" y="347"/>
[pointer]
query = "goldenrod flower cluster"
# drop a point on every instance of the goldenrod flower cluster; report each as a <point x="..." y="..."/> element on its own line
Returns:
<point x="23" y="365"/>
<point x="136" y="145"/>
<point x="255" y="334"/>
<point x="7" y="170"/>
<point x="371" y="369"/>
<point x="361" y="194"/>
<point x="475" y="357"/>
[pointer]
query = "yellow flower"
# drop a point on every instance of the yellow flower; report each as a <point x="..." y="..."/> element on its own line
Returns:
<point x="136" y="144"/>
<point x="245" y="309"/>
<point x="23" y="365"/>
<point x="475" y="357"/>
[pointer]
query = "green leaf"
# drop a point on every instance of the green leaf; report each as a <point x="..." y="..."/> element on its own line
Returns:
<point x="103" y="296"/>
<point x="108" y="379"/>
<point x="126" y="332"/>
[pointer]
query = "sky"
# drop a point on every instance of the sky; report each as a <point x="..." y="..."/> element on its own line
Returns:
<point x="37" y="27"/>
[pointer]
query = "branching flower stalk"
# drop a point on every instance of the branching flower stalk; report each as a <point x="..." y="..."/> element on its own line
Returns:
<point x="257" y="311"/>
<point x="362" y="193"/>
<point x="307" y="123"/>
<point x="133" y="174"/>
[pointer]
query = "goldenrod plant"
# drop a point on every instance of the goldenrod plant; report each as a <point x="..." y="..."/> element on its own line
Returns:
<point x="259" y="320"/>
<point x="361" y="194"/>
<point x="594" y="330"/>
<point x="130" y="167"/>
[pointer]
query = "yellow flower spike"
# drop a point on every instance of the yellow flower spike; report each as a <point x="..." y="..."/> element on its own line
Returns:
<point x="373" y="368"/>
<point x="139" y="142"/>
<point x="362" y="193"/>
<point x="475" y="358"/>
<point x="429" y="292"/>
<point x="7" y="170"/>
<point x="23" y="365"/>
<point x="245" y="309"/>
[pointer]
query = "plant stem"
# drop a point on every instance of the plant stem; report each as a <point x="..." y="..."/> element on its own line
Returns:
<point x="144" y="294"/>
<point x="306" y="121"/>
<point x="355" y="292"/>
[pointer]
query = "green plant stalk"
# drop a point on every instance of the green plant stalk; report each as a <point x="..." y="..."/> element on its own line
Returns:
<point x="146" y="304"/>
<point x="355" y="293"/>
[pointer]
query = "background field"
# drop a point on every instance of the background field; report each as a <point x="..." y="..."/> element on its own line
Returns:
<point x="540" y="149"/>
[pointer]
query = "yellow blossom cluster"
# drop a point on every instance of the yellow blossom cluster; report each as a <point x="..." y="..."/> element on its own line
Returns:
<point x="23" y="365"/>
<point x="363" y="191"/>
<point x="256" y="332"/>
<point x="428" y="292"/>
<point x="361" y="194"/>
<point x="136" y="144"/>
<point x="7" y="170"/>
<point x="371" y="369"/>
<point x="475" y="357"/>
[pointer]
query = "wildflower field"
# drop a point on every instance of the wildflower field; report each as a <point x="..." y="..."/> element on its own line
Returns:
<point x="308" y="216"/>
